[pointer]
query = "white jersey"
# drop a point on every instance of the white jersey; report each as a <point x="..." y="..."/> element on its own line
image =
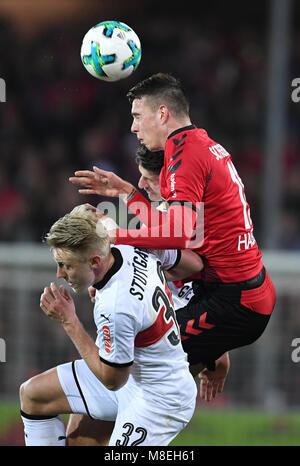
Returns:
<point x="181" y="293"/>
<point x="136" y="324"/>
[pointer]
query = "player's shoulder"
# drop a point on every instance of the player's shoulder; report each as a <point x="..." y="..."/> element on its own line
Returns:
<point x="190" y="139"/>
<point x="129" y="286"/>
<point x="205" y="151"/>
<point x="115" y="282"/>
<point x="201" y="139"/>
<point x="181" y="135"/>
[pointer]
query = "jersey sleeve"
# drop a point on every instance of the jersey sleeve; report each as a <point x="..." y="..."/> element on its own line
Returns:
<point x="142" y="208"/>
<point x="169" y="258"/>
<point x="117" y="323"/>
<point x="183" y="181"/>
<point x="116" y="340"/>
<point x="175" y="232"/>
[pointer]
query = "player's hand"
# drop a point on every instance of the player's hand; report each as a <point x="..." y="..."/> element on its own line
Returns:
<point x="84" y="208"/>
<point x="212" y="382"/>
<point x="58" y="304"/>
<point x="101" y="182"/>
<point x="112" y="236"/>
<point x="92" y="293"/>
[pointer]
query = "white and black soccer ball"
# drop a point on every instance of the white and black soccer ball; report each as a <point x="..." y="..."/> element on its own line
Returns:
<point x="111" y="51"/>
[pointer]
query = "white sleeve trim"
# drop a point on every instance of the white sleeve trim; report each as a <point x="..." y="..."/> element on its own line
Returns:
<point x="168" y="257"/>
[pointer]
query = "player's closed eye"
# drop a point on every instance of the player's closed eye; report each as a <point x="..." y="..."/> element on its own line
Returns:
<point x="61" y="265"/>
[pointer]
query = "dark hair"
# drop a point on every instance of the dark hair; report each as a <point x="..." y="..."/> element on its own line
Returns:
<point x="162" y="88"/>
<point x="152" y="161"/>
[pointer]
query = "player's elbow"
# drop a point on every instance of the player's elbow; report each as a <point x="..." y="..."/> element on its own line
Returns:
<point x="113" y="386"/>
<point x="114" y="378"/>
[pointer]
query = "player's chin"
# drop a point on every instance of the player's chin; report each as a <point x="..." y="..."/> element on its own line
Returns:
<point x="153" y="197"/>
<point x="148" y="145"/>
<point x="150" y="195"/>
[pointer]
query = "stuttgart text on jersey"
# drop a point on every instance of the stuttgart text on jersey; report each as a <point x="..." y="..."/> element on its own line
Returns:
<point x="140" y="273"/>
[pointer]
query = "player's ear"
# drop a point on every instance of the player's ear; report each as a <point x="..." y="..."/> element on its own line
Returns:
<point x="163" y="113"/>
<point x="95" y="261"/>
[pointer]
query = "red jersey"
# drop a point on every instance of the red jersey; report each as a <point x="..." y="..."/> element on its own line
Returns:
<point x="199" y="171"/>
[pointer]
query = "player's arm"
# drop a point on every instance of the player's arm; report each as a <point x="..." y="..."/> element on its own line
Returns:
<point x="189" y="264"/>
<point x="101" y="182"/>
<point x="182" y="226"/>
<point x="58" y="304"/>
<point x="105" y="183"/>
<point x="173" y="229"/>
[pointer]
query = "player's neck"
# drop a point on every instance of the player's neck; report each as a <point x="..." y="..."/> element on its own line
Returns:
<point x="106" y="265"/>
<point x="175" y="125"/>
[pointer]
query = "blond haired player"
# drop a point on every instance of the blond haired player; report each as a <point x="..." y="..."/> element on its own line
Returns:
<point x="136" y="372"/>
<point x="81" y="430"/>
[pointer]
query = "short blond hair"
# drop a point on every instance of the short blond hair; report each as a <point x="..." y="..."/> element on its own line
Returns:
<point x="79" y="232"/>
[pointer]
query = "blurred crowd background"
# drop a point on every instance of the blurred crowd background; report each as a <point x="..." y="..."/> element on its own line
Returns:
<point x="57" y="118"/>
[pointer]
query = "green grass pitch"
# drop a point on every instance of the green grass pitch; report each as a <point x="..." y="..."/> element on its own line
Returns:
<point x="211" y="427"/>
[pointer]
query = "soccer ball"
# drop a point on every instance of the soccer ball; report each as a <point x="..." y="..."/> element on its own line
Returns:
<point x="110" y="51"/>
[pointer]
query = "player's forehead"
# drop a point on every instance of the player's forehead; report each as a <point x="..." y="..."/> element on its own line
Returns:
<point x="63" y="256"/>
<point x="141" y="105"/>
<point x="148" y="174"/>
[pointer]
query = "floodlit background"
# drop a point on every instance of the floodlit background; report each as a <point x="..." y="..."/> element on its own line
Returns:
<point x="237" y="61"/>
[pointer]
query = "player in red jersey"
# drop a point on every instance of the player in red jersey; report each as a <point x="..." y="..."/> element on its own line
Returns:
<point x="234" y="296"/>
